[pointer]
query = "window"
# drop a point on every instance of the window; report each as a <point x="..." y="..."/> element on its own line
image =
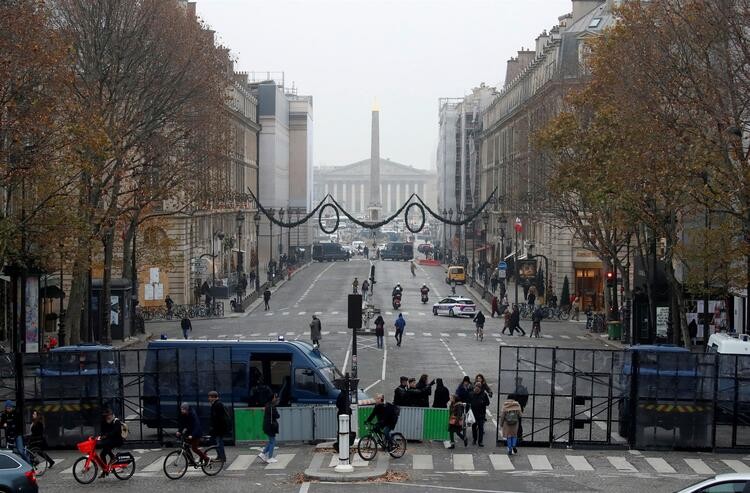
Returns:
<point x="305" y="379"/>
<point x="595" y="22"/>
<point x="729" y="487"/>
<point x="8" y="462"/>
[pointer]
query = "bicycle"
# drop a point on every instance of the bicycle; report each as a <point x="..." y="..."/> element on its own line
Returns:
<point x="480" y="333"/>
<point x="177" y="461"/>
<point x="86" y="469"/>
<point x="38" y="463"/>
<point x="367" y="448"/>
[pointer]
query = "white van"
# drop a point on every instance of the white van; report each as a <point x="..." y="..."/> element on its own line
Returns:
<point x="724" y="343"/>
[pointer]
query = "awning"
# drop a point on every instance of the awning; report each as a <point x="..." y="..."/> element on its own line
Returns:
<point x="510" y="256"/>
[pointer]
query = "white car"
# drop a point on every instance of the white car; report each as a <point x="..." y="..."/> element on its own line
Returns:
<point x="455" y="306"/>
<point x="721" y="483"/>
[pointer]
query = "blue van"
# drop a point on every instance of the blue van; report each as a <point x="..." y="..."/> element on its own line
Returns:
<point x="243" y="372"/>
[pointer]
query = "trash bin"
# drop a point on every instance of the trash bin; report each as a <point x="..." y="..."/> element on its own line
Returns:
<point x="614" y="330"/>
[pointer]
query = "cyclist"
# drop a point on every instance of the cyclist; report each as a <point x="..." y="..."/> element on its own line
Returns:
<point x="10" y="421"/>
<point x="479" y="321"/>
<point x="386" y="415"/>
<point x="425" y="291"/>
<point x="110" y="438"/>
<point x="37" y="441"/>
<point x="189" y="425"/>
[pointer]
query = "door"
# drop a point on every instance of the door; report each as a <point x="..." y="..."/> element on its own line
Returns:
<point x="272" y="370"/>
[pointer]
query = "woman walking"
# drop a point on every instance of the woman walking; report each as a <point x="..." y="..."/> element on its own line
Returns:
<point x="37" y="442"/>
<point x="456" y="421"/>
<point x="442" y="395"/>
<point x="509" y="420"/>
<point x="379" y="331"/>
<point x="270" y="428"/>
<point x="479" y="379"/>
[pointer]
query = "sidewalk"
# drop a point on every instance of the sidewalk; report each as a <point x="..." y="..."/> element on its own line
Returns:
<point x="363" y="470"/>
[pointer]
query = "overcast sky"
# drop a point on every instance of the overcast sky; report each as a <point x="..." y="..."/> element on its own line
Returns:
<point x="405" y="53"/>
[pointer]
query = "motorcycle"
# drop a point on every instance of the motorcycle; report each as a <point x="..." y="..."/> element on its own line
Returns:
<point x="425" y="298"/>
<point x="397" y="302"/>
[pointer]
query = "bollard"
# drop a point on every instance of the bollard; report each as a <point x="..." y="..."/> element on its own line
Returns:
<point x="344" y="465"/>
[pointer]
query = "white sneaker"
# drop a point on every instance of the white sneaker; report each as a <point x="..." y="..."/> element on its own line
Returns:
<point x="272" y="460"/>
<point x="263" y="457"/>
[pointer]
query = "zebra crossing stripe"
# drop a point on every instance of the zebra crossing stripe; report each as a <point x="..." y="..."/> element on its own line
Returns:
<point x="463" y="462"/>
<point x="736" y="465"/>
<point x="501" y="462"/>
<point x="241" y="463"/>
<point x="301" y="313"/>
<point x="290" y="333"/>
<point x="155" y="466"/>
<point x="461" y="334"/>
<point x="334" y="313"/>
<point x="660" y="465"/>
<point x="410" y="333"/>
<point x="285" y="313"/>
<point x="564" y="336"/>
<point x="579" y="463"/>
<point x="422" y="462"/>
<point x="540" y="463"/>
<point x="269" y="314"/>
<point x="426" y="334"/>
<point x="699" y="466"/>
<point x="283" y="461"/>
<point x="621" y="464"/>
<point x="272" y="334"/>
<point x="444" y="334"/>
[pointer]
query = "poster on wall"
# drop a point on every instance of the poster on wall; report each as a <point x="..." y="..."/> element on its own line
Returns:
<point x="662" y="320"/>
<point x="527" y="269"/>
<point x="31" y="317"/>
<point x="716" y="317"/>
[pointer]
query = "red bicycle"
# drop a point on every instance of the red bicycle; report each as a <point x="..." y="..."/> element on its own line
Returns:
<point x="86" y="469"/>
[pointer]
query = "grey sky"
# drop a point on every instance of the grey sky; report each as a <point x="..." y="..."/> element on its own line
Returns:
<point x="405" y="53"/>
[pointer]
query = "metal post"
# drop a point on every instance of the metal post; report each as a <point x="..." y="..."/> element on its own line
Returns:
<point x="133" y="285"/>
<point x="296" y="246"/>
<point x="344" y="466"/>
<point x="445" y="243"/>
<point x="257" y="254"/>
<point x="515" y="266"/>
<point x="270" y="239"/>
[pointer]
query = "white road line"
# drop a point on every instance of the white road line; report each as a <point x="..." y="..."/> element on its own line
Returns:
<point x="443" y="334"/>
<point x="581" y="338"/>
<point x="422" y="314"/>
<point x="325" y="332"/>
<point x="564" y="336"/>
<point x="422" y="462"/>
<point x="241" y="463"/>
<point x="283" y="461"/>
<point x="305" y="488"/>
<point x="736" y="465"/>
<point x="389" y="313"/>
<point x="391" y="332"/>
<point x="256" y="334"/>
<point x="426" y="334"/>
<point x="285" y="313"/>
<point x="334" y="313"/>
<point x="461" y="334"/>
<point x="409" y="333"/>
<point x="699" y="466"/>
<point x="372" y="385"/>
<point x="621" y="464"/>
<point x="318" y="313"/>
<point x="341" y="332"/>
<point x="273" y="334"/>
<point x="501" y="462"/>
<point x="302" y="313"/>
<point x="579" y="463"/>
<point x="540" y="463"/>
<point x="269" y="314"/>
<point x="660" y="465"/>
<point x="385" y="358"/>
<point x="222" y="336"/>
<point x="290" y="333"/>
<point x="463" y="462"/>
<point x="547" y="336"/>
<point x="238" y="335"/>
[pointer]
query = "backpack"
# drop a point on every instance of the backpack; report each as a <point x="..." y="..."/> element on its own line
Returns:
<point x="511" y="417"/>
<point x="124" y="430"/>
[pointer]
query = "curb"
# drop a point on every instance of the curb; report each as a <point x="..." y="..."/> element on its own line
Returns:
<point x="315" y="472"/>
<point x="133" y="340"/>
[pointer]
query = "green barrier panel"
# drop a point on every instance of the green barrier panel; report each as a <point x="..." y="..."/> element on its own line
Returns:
<point x="435" y="425"/>
<point x="363" y="413"/>
<point x="248" y="424"/>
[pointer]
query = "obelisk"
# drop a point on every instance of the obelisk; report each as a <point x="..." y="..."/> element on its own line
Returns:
<point x="374" y="205"/>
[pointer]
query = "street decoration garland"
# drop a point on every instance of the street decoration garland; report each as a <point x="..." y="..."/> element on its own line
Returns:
<point x="320" y="219"/>
<point x="292" y="224"/>
<point x="406" y="216"/>
<point x="466" y="220"/>
<point x="376" y="225"/>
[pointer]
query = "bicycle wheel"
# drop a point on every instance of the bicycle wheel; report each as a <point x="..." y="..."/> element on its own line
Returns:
<point x="83" y="472"/>
<point x="38" y="463"/>
<point x="175" y="464"/>
<point x="367" y="448"/>
<point x="399" y="446"/>
<point x="214" y="465"/>
<point x="124" y="467"/>
<point x="564" y="315"/>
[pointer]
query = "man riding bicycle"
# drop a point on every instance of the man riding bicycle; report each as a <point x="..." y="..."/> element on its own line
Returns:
<point x="479" y="321"/>
<point x="387" y="417"/>
<point x="110" y="438"/>
<point x="189" y="424"/>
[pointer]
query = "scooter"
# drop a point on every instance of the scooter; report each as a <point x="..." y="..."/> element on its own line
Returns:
<point x="397" y="302"/>
<point x="425" y="298"/>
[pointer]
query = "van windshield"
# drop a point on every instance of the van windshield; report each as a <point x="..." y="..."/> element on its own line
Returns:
<point x="331" y="373"/>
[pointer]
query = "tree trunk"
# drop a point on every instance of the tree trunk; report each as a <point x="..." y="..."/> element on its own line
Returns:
<point x="680" y="317"/>
<point x="108" y="241"/>
<point x="75" y="315"/>
<point x="127" y="251"/>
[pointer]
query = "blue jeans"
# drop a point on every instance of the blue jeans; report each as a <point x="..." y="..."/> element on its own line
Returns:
<point x="511" y="442"/>
<point x="21" y="449"/>
<point x="220" y="448"/>
<point x="380" y="341"/>
<point x="185" y="333"/>
<point x="268" y="449"/>
<point x="387" y="434"/>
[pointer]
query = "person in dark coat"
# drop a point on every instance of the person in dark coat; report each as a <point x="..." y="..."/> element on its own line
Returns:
<point x="10" y="421"/>
<point x="187" y="326"/>
<point x="379" y="331"/>
<point x="425" y="388"/>
<point x="343" y="406"/>
<point x="189" y="424"/>
<point x="111" y="436"/>
<point x="399" y="395"/>
<point x="463" y="392"/>
<point x="479" y="403"/>
<point x="442" y="395"/>
<point x="271" y="429"/>
<point x="495" y="307"/>
<point x="515" y="321"/>
<point x="266" y="298"/>
<point x="413" y="394"/>
<point x="219" y="423"/>
<point x="315" y="331"/>
<point x="170" y="305"/>
<point x="37" y="442"/>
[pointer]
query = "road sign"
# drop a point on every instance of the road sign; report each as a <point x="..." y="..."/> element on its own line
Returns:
<point x="502" y="266"/>
<point x="502" y="273"/>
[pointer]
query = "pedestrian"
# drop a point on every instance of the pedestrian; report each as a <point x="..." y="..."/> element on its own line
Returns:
<point x="271" y="429"/>
<point x="553" y="300"/>
<point x="576" y="308"/>
<point x="10" y="421"/>
<point x="170" y="304"/>
<point x="479" y="379"/>
<point x="506" y="322"/>
<point x="379" y="331"/>
<point x="536" y="322"/>
<point x="37" y="441"/>
<point x="266" y="297"/>
<point x="515" y="321"/>
<point x="456" y="421"/>
<point x="220" y="424"/>
<point x="531" y="297"/>
<point x="315" y="332"/>
<point x="495" y="308"/>
<point x="365" y="289"/>
<point x="425" y="388"/>
<point x="399" y="395"/>
<point x="412" y="394"/>
<point x="187" y="326"/>
<point x="442" y="395"/>
<point x="343" y="407"/>
<point x="399" y="324"/>
<point x="520" y="395"/>
<point x="463" y="391"/>
<point x="479" y="403"/>
<point x="355" y="286"/>
<point x="509" y="419"/>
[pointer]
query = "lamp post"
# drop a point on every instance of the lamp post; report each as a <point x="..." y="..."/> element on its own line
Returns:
<point x="256" y="220"/>
<point x="240" y="220"/>
<point x="296" y="245"/>
<point x="458" y="229"/>
<point x="450" y="236"/>
<point x="271" y="213"/>
<point x="289" y="235"/>
<point x="518" y="227"/>
<point x="483" y="257"/>
<point x="281" y="242"/>
<point x="445" y="235"/>
<point x="61" y="315"/>
<point x="220" y="236"/>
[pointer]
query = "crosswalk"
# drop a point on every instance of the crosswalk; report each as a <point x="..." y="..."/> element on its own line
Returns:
<point x="150" y="463"/>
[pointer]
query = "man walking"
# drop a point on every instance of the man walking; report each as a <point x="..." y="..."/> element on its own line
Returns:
<point x="170" y="305"/>
<point x="515" y="321"/>
<point x="266" y="298"/>
<point x="365" y="289"/>
<point x="379" y="331"/>
<point x="219" y="423"/>
<point x="315" y="332"/>
<point x="399" y="324"/>
<point x="187" y="326"/>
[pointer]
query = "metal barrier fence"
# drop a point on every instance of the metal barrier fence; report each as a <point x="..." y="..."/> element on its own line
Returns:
<point x="658" y="399"/>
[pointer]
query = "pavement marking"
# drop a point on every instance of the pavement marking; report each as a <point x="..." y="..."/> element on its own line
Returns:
<point x="444" y="334"/>
<point x="238" y="335"/>
<point x="341" y="332"/>
<point x="269" y="314"/>
<point x="304" y="488"/>
<point x="389" y="313"/>
<point x="422" y="462"/>
<point x="660" y="465"/>
<point x="547" y="336"/>
<point x="318" y="313"/>
<point x="290" y="333"/>
<point x="461" y="334"/>
<point x="222" y="336"/>
<point x="302" y="313"/>
<point x="463" y="462"/>
<point x="273" y="334"/>
<point x="540" y="463"/>
<point x="564" y="336"/>
<point x="334" y="313"/>
<point x="283" y="461"/>
<point x="501" y="462"/>
<point x="736" y="465"/>
<point x="391" y="332"/>
<point x="426" y="334"/>
<point x="579" y="463"/>
<point x="325" y="332"/>
<point x="241" y="463"/>
<point x="372" y="385"/>
<point x="255" y="334"/>
<point x="131" y="417"/>
<point x="155" y="466"/>
<point x="385" y="358"/>
<point x="699" y="466"/>
<point x="581" y="338"/>
<point x="285" y="313"/>
<point x="409" y="333"/>
<point x="422" y="314"/>
<point x="621" y="464"/>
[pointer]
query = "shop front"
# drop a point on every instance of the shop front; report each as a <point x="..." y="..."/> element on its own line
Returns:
<point x="589" y="280"/>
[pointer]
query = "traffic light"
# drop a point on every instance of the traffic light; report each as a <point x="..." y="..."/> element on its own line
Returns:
<point x="610" y="279"/>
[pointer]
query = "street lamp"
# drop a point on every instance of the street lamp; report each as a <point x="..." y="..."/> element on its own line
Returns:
<point x="281" y="242"/>
<point x="271" y="213"/>
<point x="502" y="223"/>
<point x="220" y="236"/>
<point x="296" y="246"/>
<point x="483" y="256"/>
<point x="289" y="236"/>
<point x="256" y="220"/>
<point x="445" y="235"/>
<point x="240" y="220"/>
<point x="450" y="235"/>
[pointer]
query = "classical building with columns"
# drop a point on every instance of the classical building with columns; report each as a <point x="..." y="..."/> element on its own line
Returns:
<point x="350" y="185"/>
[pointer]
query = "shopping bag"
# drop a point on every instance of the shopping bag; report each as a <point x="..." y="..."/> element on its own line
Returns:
<point x="470" y="419"/>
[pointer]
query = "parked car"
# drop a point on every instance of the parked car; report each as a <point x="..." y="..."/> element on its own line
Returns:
<point x="455" y="306"/>
<point x="722" y="483"/>
<point x="16" y="475"/>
